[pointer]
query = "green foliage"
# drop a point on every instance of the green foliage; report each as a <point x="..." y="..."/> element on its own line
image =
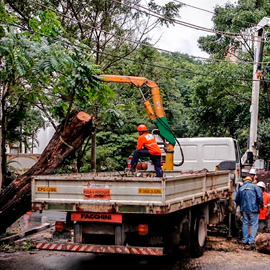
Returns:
<point x="45" y="71"/>
<point x="46" y="23"/>
<point x="23" y="124"/>
<point x="215" y="110"/>
<point x="235" y="117"/>
<point x="233" y="19"/>
<point x="113" y="149"/>
<point x="59" y="65"/>
<point x="169" y="11"/>
<point x="26" y="245"/>
<point x="264" y="137"/>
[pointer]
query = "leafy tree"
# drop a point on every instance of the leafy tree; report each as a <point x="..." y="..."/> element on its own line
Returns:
<point x="234" y="25"/>
<point x="221" y="100"/>
<point x="112" y="29"/>
<point x="37" y="68"/>
<point x="231" y="23"/>
<point x="17" y="60"/>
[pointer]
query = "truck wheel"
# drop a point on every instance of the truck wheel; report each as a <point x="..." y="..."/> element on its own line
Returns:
<point x="184" y="243"/>
<point x="199" y="234"/>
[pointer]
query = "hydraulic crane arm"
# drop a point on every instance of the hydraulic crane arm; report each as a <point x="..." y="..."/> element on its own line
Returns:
<point x="158" y="117"/>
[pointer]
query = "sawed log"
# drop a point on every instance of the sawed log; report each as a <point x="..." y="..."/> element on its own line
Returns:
<point x="15" y="199"/>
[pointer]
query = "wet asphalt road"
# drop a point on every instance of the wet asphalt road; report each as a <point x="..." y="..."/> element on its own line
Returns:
<point x="48" y="260"/>
<point x="56" y="260"/>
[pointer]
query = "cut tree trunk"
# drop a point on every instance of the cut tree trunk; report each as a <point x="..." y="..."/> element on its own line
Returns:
<point x="262" y="243"/>
<point x="15" y="199"/>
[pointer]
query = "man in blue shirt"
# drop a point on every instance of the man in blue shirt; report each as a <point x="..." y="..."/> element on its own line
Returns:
<point x="250" y="198"/>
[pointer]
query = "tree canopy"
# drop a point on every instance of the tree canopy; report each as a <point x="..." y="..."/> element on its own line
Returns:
<point x="54" y="52"/>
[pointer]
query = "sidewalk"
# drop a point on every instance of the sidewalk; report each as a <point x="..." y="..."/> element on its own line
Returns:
<point x="31" y="223"/>
<point x="15" y="237"/>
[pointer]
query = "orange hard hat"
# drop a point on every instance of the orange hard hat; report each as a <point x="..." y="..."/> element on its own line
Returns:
<point x="142" y="127"/>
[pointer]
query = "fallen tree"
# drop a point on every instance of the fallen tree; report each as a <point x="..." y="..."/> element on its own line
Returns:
<point x="15" y="199"/>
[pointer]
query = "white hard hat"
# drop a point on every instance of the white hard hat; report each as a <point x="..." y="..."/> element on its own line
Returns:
<point x="252" y="171"/>
<point x="261" y="184"/>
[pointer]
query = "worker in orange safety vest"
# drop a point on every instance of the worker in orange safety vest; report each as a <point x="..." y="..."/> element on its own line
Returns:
<point x="264" y="213"/>
<point x="147" y="147"/>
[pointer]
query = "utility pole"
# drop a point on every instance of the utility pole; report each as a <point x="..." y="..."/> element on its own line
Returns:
<point x="252" y="152"/>
<point x="1" y="175"/>
<point x="1" y="120"/>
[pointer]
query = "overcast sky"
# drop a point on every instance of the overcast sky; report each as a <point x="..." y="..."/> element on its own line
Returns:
<point x="184" y="39"/>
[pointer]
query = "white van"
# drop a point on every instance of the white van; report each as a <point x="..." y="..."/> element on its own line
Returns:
<point x="207" y="153"/>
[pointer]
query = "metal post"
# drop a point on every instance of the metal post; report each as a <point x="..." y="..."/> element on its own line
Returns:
<point x="254" y="108"/>
<point x="1" y="176"/>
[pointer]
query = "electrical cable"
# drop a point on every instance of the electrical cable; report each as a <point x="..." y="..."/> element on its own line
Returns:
<point x="193" y="26"/>
<point x="139" y="43"/>
<point x="185" y="4"/>
<point x="135" y="61"/>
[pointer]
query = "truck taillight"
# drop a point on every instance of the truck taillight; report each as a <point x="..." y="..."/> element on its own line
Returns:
<point x="143" y="229"/>
<point x="59" y="226"/>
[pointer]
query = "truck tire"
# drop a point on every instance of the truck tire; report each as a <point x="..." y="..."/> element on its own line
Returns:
<point x="198" y="235"/>
<point x="184" y="243"/>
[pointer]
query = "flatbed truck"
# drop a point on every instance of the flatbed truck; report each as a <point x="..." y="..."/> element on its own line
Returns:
<point x="135" y="213"/>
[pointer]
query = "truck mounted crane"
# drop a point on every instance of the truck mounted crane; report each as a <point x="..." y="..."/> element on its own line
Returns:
<point x="156" y="116"/>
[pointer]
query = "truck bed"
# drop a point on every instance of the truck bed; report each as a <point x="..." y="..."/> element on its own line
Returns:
<point x="122" y="192"/>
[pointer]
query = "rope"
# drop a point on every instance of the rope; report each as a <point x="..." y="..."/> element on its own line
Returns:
<point x="62" y="140"/>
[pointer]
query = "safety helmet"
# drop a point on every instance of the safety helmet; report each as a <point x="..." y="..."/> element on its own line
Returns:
<point x="261" y="184"/>
<point x="142" y="127"/>
<point x="252" y="171"/>
<point x="248" y="178"/>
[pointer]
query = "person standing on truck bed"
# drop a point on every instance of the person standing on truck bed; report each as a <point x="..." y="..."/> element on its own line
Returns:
<point x="147" y="147"/>
<point x="250" y="198"/>
<point x="264" y="213"/>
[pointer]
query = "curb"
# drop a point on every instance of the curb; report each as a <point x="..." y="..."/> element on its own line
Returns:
<point x="14" y="238"/>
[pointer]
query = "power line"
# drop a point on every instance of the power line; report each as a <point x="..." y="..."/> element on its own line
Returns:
<point x="121" y="37"/>
<point x="231" y="35"/>
<point x="132" y="41"/>
<point x="202" y="9"/>
<point x="136" y="61"/>
<point x="208" y="11"/>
